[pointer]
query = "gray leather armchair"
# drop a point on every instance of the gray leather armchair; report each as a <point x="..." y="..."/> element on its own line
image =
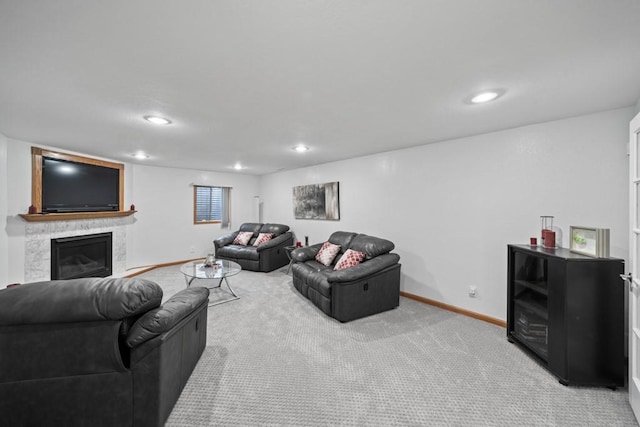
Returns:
<point x="98" y="351"/>
<point x="368" y="288"/>
<point x="266" y="257"/>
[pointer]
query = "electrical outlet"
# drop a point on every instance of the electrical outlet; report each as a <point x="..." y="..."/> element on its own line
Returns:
<point x="473" y="291"/>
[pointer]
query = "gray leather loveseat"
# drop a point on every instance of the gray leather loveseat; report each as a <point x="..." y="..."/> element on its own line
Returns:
<point x="357" y="291"/>
<point x="253" y="255"/>
<point x="96" y="352"/>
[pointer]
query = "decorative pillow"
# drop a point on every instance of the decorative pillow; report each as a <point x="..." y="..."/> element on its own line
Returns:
<point x="262" y="238"/>
<point x="327" y="253"/>
<point x="350" y="258"/>
<point x="243" y="238"/>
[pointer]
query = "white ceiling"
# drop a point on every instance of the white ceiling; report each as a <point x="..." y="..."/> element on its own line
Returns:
<point x="244" y="81"/>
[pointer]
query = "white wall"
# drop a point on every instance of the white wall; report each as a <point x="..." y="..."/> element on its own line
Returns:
<point x="164" y="230"/>
<point x="452" y="207"/>
<point x="4" y="240"/>
<point x="18" y="201"/>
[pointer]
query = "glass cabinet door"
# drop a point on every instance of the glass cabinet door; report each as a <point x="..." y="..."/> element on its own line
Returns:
<point x="530" y="311"/>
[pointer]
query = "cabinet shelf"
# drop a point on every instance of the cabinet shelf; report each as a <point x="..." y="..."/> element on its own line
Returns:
<point x="533" y="305"/>
<point x="540" y="287"/>
<point x="70" y="216"/>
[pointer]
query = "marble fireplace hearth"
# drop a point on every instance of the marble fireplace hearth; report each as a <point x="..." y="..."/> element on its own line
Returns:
<point x="38" y="237"/>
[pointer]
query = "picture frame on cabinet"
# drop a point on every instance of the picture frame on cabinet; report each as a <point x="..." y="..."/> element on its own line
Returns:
<point x="590" y="241"/>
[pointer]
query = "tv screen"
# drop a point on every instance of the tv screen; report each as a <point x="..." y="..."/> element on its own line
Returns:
<point x="78" y="187"/>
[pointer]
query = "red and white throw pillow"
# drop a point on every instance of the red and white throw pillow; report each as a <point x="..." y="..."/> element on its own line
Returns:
<point x="327" y="253"/>
<point x="243" y="238"/>
<point x="350" y="258"/>
<point x="262" y="238"/>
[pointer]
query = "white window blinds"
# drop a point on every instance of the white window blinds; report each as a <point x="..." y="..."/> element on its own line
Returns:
<point x="211" y="204"/>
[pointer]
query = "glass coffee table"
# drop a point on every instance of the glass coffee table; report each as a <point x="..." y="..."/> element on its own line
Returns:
<point x="220" y="271"/>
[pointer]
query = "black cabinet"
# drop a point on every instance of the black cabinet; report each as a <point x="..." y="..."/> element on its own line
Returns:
<point x="567" y="310"/>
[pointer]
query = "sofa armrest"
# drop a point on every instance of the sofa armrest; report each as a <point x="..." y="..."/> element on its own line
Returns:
<point x="364" y="269"/>
<point x="165" y="317"/>
<point x="305" y="253"/>
<point x="224" y="240"/>
<point x="284" y="239"/>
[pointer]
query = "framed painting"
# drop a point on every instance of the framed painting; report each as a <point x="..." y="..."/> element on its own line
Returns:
<point x="317" y="201"/>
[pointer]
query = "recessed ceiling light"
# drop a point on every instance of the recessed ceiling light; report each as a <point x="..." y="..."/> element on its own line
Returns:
<point x="157" y="120"/>
<point x="140" y="155"/>
<point x="300" y="148"/>
<point x="237" y="166"/>
<point x="486" y="96"/>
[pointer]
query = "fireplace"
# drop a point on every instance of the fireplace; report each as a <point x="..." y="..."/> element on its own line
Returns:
<point x="81" y="256"/>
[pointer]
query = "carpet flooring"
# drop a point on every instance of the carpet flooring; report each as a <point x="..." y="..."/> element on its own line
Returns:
<point x="273" y="359"/>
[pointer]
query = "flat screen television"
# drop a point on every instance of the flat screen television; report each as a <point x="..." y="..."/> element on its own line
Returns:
<point x="69" y="186"/>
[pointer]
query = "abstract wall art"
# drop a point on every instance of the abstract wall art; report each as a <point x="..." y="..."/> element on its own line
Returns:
<point x="317" y="201"/>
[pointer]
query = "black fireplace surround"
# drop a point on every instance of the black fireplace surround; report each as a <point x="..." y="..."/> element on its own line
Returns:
<point x="81" y="256"/>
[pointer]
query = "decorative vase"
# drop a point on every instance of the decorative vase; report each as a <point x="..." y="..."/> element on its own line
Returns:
<point x="210" y="260"/>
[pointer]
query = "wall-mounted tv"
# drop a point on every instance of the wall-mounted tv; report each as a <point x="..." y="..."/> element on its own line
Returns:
<point x="68" y="183"/>
<point x="69" y="186"/>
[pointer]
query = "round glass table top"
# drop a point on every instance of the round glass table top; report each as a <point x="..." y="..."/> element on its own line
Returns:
<point x="222" y="268"/>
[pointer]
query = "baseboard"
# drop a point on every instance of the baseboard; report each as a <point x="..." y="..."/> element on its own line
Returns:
<point x="138" y="271"/>
<point x="455" y="309"/>
<point x="144" y="269"/>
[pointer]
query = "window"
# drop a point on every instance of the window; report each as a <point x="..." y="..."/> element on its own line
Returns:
<point x="211" y="204"/>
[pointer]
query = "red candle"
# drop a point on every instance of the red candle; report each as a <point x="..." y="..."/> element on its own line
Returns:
<point x="549" y="238"/>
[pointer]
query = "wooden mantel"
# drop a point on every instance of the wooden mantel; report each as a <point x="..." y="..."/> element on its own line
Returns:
<point x="70" y="216"/>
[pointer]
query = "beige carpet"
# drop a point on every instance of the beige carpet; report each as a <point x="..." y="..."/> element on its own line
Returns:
<point x="273" y="359"/>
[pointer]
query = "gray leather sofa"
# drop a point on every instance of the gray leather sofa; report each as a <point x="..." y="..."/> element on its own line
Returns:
<point x="371" y="287"/>
<point x="268" y="256"/>
<point x="98" y="351"/>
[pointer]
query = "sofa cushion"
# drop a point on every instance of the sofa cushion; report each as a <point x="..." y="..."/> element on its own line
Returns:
<point x="342" y="239"/>
<point x="243" y="238"/>
<point x="262" y="238"/>
<point x="372" y="246"/>
<point x="313" y="265"/>
<point x="327" y="253"/>
<point x="350" y="258"/>
<point x="235" y="252"/>
<point x="253" y="227"/>
<point x="275" y="229"/>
